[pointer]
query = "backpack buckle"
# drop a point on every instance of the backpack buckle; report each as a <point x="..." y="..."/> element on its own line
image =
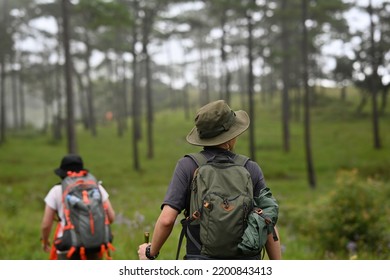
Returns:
<point x="258" y="211"/>
<point x="208" y="205"/>
<point x="196" y="215"/>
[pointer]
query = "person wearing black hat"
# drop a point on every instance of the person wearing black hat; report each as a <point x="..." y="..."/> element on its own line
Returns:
<point x="71" y="162"/>
<point x="54" y="206"/>
<point x="216" y="129"/>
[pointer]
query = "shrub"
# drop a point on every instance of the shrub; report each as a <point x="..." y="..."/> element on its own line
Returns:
<point x="352" y="220"/>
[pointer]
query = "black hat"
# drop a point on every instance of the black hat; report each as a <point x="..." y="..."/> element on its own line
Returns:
<point x="71" y="162"/>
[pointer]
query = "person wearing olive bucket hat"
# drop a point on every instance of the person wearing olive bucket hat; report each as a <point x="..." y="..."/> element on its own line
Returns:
<point x="216" y="129"/>
<point x="217" y="124"/>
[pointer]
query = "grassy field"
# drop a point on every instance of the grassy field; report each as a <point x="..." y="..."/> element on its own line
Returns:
<point x="341" y="140"/>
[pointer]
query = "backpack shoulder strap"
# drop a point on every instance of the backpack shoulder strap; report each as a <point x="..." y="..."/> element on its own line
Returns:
<point x="199" y="158"/>
<point x="241" y="159"/>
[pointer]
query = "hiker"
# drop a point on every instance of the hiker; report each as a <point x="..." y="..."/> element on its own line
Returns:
<point x="216" y="130"/>
<point x="54" y="209"/>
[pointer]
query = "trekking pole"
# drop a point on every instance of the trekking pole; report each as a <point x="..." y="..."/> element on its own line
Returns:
<point x="146" y="237"/>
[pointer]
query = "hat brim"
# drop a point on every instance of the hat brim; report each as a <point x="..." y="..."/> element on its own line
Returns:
<point x="60" y="172"/>
<point x="63" y="173"/>
<point x="240" y="125"/>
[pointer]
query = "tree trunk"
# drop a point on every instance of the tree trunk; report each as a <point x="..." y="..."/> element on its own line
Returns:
<point x="22" y="103"/>
<point x="125" y="90"/>
<point x="2" y="101"/>
<point x="363" y="101"/>
<point x="309" y="159"/>
<point x="298" y="104"/>
<point x="58" y="118"/>
<point x="374" y="80"/>
<point x="226" y="76"/>
<point x="171" y="74"/>
<point x="286" y="79"/>
<point x="118" y="100"/>
<point x="15" y="101"/>
<point x="148" y="20"/>
<point x="204" y="96"/>
<point x="385" y="92"/>
<point x="343" y="93"/>
<point x="149" y="108"/>
<point x="3" y="30"/>
<point x="89" y="89"/>
<point x="241" y="80"/>
<point x="82" y="100"/>
<point x="252" y="148"/>
<point x="186" y="99"/>
<point x="135" y="95"/>
<point x="70" y="122"/>
<point x="45" y="98"/>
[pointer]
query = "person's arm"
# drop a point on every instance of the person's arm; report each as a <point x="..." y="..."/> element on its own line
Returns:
<point x="47" y="223"/>
<point x="272" y="247"/>
<point x="162" y="230"/>
<point x="110" y="211"/>
<point x="107" y="203"/>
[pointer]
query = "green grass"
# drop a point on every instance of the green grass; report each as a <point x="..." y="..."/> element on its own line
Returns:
<point x="340" y="140"/>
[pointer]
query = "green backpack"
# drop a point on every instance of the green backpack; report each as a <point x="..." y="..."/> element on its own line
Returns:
<point x="220" y="202"/>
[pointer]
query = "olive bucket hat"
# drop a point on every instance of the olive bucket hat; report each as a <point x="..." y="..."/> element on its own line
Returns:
<point x="70" y="162"/>
<point x="216" y="123"/>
